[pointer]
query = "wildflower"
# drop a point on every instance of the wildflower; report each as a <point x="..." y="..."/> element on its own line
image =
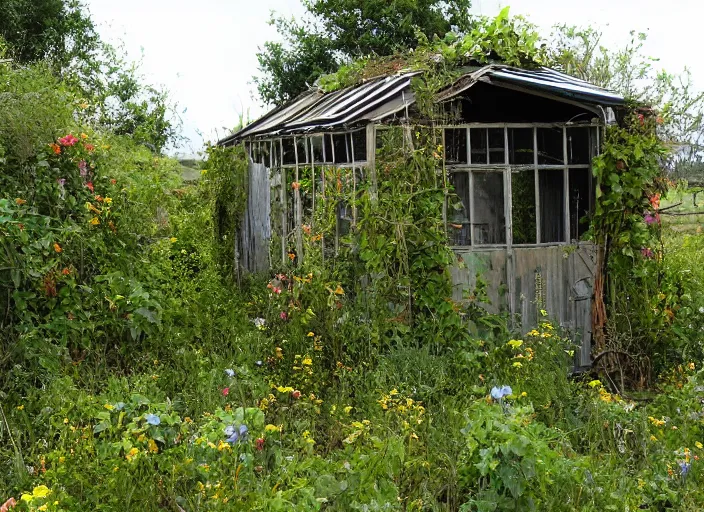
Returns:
<point x="498" y="393"/>
<point x="517" y="364"/>
<point x="653" y="438"/>
<point x="259" y="444"/>
<point x="647" y="253"/>
<point x="656" y="422"/>
<point x="89" y="147"/>
<point x="230" y="372"/>
<point x="307" y="361"/>
<point x="153" y="448"/>
<point x="650" y="219"/>
<point x="132" y="454"/>
<point x="339" y="290"/>
<point x="89" y="186"/>
<point x="259" y="363"/>
<point x="699" y="445"/>
<point x="306" y="229"/>
<point x="65" y="421"/>
<point x="84" y="136"/>
<point x="83" y="168"/>
<point x="282" y="389"/>
<point x="113" y="181"/>
<point x="55" y="148"/>
<point x="691" y="366"/>
<point x="291" y="256"/>
<point x="235" y="434"/>
<point x="8" y="505"/>
<point x="595" y="384"/>
<point x="295" y="185"/>
<point x="272" y="428"/>
<point x="109" y="407"/>
<point x="259" y="323"/>
<point x="225" y="391"/>
<point x="20" y="202"/>
<point x="153" y="419"/>
<point x="68" y="140"/>
<point x="515" y="343"/>
<point x="296" y="394"/>
<point x="57" y="248"/>
<point x="283" y="315"/>
<point x="279" y="353"/>
<point x="347" y="409"/>
<point x="20" y="407"/>
<point x="684" y="468"/>
<point x="311" y="334"/>
<point x="61" y="182"/>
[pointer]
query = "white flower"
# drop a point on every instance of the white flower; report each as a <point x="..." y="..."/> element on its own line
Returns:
<point x="259" y="323"/>
<point x="230" y="372"/>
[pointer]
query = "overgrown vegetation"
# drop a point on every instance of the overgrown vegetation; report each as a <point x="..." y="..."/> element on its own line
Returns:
<point x="136" y="374"/>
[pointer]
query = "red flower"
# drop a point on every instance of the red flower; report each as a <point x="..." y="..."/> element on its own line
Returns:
<point x="113" y="181"/>
<point x="69" y="140"/>
<point x="259" y="443"/>
<point x="296" y="394"/>
<point x="89" y="185"/>
<point x="283" y="315"/>
<point x="225" y="391"/>
<point x="89" y="147"/>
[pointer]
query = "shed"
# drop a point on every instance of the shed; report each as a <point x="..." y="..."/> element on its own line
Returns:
<point x="518" y="146"/>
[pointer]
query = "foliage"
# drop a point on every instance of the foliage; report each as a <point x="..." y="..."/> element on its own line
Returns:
<point x="335" y="32"/>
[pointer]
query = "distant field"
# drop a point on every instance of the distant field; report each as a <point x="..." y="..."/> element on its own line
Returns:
<point x="680" y="213"/>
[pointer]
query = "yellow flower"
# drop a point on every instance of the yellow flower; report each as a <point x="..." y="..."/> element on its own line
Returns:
<point x="65" y="421"/>
<point x="653" y="438"/>
<point x="517" y="364"/>
<point x="222" y="445"/>
<point x="656" y="422"/>
<point x="272" y="428"/>
<point x="524" y="394"/>
<point x="279" y="353"/>
<point x="339" y="290"/>
<point x="41" y="491"/>
<point x="311" y="334"/>
<point x="691" y="366"/>
<point x="109" y="407"/>
<point x="95" y="221"/>
<point x="20" y="407"/>
<point x="43" y="507"/>
<point x="347" y="409"/>
<point x="153" y="448"/>
<point x="62" y="460"/>
<point x="132" y="454"/>
<point x="307" y="361"/>
<point x="595" y="384"/>
<point x="699" y="445"/>
<point x="108" y="200"/>
<point x="173" y="239"/>
<point x="515" y="343"/>
<point x="282" y="389"/>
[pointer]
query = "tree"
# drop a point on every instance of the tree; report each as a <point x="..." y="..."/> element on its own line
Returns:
<point x="338" y="31"/>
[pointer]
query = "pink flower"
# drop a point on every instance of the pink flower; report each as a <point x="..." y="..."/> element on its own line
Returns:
<point x="69" y="140"/>
<point x="647" y="252"/>
<point x="296" y="394"/>
<point x="649" y="219"/>
<point x="277" y="291"/>
<point x="8" y="505"/>
<point x="260" y="444"/>
<point x="61" y="182"/>
<point x="283" y="315"/>
<point x="225" y="391"/>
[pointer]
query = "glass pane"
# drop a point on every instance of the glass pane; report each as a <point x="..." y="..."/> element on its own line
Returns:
<point x="459" y="228"/>
<point x="478" y="143"/>
<point x="289" y="151"/>
<point x="497" y="154"/>
<point x="578" y="145"/>
<point x="550" y="150"/>
<point x="276" y="147"/>
<point x="523" y="207"/>
<point x="552" y="206"/>
<point x="317" y="147"/>
<point x="359" y="140"/>
<point x="456" y="145"/>
<point x="579" y="202"/>
<point x="340" y="145"/>
<point x="520" y="146"/>
<point x="489" y="222"/>
<point x="303" y="149"/>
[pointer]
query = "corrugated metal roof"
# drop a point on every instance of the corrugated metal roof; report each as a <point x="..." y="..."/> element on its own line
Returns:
<point x="381" y="97"/>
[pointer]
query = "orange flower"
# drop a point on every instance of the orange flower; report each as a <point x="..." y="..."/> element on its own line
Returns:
<point x="291" y="256"/>
<point x="113" y="181"/>
<point x="55" y="148"/>
<point x="295" y="185"/>
<point x="306" y="229"/>
<point x="84" y="136"/>
<point x="99" y="198"/>
<point x="57" y="248"/>
<point x="20" y="202"/>
<point x="655" y="201"/>
<point x="66" y="271"/>
<point x="89" y="147"/>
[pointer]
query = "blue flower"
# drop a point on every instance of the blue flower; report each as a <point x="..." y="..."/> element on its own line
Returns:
<point x="498" y="393"/>
<point x="684" y="468"/>
<point x="230" y="372"/>
<point x="119" y="406"/>
<point x="235" y="434"/>
<point x="153" y="419"/>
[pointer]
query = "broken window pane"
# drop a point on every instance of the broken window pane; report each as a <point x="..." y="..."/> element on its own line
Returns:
<point x="316" y="143"/>
<point x="359" y="141"/>
<point x="520" y="146"/>
<point x="478" y="143"/>
<point x="523" y="207"/>
<point x="459" y="228"/>
<point x="303" y="149"/>
<point x="552" y="205"/>
<point x="580" y="202"/>
<point x="550" y="148"/>
<point x="327" y="138"/>
<point x="276" y="150"/>
<point x="489" y="221"/>
<point x="497" y="154"/>
<point x="456" y="145"/>
<point x="264" y="149"/>
<point x="578" y="145"/>
<point x="339" y="143"/>
<point x="289" y="151"/>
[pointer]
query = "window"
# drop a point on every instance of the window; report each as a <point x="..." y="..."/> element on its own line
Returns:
<point x="339" y="143"/>
<point x="459" y="226"/>
<point x="359" y="142"/>
<point x="316" y="144"/>
<point x="488" y="219"/>
<point x="456" y="145"/>
<point x="550" y="183"/>
<point x="289" y="151"/>
<point x="303" y="150"/>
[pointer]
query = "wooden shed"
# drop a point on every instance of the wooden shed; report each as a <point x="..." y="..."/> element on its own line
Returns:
<point x="518" y="146"/>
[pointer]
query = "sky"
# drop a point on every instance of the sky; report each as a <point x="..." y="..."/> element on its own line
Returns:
<point x="204" y="52"/>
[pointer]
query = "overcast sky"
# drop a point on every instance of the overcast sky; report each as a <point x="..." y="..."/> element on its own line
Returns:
<point x="203" y="52"/>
